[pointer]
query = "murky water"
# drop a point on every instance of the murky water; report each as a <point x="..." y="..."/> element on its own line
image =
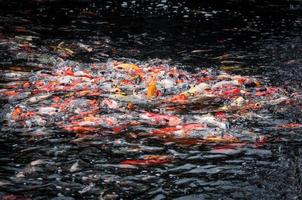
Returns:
<point x="44" y="161"/>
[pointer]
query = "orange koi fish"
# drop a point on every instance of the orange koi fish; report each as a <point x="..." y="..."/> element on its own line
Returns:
<point x="151" y="88"/>
<point x="16" y="113"/>
<point x="10" y="93"/>
<point x="224" y="138"/>
<point x="151" y="160"/>
<point x="180" y="98"/>
<point x="92" y="121"/>
<point x="191" y="127"/>
<point x="127" y="66"/>
<point x="130" y="68"/>
<point x="26" y="85"/>
<point x="85" y="93"/>
<point x="19" y="114"/>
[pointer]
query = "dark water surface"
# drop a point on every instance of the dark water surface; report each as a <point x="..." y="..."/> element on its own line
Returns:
<point x="265" y="43"/>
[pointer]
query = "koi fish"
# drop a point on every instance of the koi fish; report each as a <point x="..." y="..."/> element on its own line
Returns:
<point x="24" y="117"/>
<point x="167" y="83"/>
<point x="93" y="121"/>
<point x="127" y="66"/>
<point x="241" y="108"/>
<point x="180" y="131"/>
<point x="83" y="90"/>
<point x="151" y="89"/>
<point x="85" y="74"/>
<point x="48" y="111"/>
<point x="126" y="82"/>
<point x="13" y="197"/>
<point x="152" y="160"/>
<point x="80" y="129"/>
<point x="180" y="98"/>
<point x="90" y="93"/>
<point x="110" y="103"/>
<point x="197" y="89"/>
<point x="11" y="85"/>
<point x="15" y="75"/>
<point x="204" y="79"/>
<point x="211" y="120"/>
<point x="223" y="138"/>
<point x="290" y="125"/>
<point x="260" y="141"/>
<point x="267" y="91"/>
<point x="38" y="98"/>
<point x="162" y="119"/>
<point x="231" y="92"/>
<point x="157" y="69"/>
<point x="130" y="68"/>
<point x="16" y="113"/>
<point x="10" y="93"/>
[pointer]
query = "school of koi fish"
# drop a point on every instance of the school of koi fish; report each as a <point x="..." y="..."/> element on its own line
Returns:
<point x="137" y="99"/>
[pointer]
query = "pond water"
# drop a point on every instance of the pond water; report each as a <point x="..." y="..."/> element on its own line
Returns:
<point x="45" y="161"/>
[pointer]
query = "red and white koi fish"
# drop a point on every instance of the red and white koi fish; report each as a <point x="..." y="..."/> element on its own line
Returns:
<point x="290" y="126"/>
<point x="180" y="131"/>
<point x="169" y="120"/>
<point x="110" y="103"/>
<point x="79" y="129"/>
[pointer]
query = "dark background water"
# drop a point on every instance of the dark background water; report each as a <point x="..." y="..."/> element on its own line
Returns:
<point x="255" y="34"/>
<point x="262" y="38"/>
